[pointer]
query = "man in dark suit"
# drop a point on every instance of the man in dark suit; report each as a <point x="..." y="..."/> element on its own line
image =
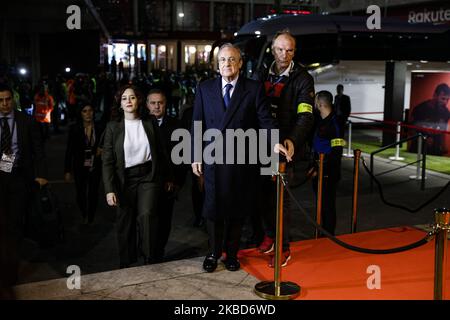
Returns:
<point x="228" y="102"/>
<point x="342" y="105"/>
<point x="22" y="161"/>
<point x="156" y="105"/>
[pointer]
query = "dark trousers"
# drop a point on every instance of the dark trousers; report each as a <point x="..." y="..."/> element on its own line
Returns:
<point x="165" y="213"/>
<point x="137" y="216"/>
<point x="14" y="196"/>
<point x="87" y="183"/>
<point x="44" y="129"/>
<point x="197" y="196"/>
<point x="224" y="235"/>
<point x="329" y="188"/>
<point x="267" y="204"/>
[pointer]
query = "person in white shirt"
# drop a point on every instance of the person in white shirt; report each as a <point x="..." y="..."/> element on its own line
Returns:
<point x="134" y="171"/>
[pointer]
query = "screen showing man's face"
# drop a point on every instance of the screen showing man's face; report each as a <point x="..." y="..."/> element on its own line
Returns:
<point x="442" y="99"/>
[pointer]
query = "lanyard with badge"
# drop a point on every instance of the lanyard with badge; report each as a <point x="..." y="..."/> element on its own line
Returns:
<point x="7" y="160"/>
<point x="88" y="152"/>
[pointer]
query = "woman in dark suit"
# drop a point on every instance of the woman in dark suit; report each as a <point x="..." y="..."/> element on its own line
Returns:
<point x="134" y="169"/>
<point x="83" y="161"/>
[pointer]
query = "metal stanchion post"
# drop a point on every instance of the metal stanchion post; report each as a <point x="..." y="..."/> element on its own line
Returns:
<point x="319" y="194"/>
<point x="277" y="290"/>
<point x="355" y="189"/>
<point x="442" y="219"/>
<point x="419" y="157"/>
<point x="424" y="163"/>
<point x="397" y="149"/>
<point x="349" y="153"/>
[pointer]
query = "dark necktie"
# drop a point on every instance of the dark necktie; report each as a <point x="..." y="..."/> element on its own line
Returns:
<point x="6" y="137"/>
<point x="226" y="97"/>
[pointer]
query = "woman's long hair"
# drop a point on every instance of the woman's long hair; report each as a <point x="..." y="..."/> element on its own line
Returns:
<point x="141" y="112"/>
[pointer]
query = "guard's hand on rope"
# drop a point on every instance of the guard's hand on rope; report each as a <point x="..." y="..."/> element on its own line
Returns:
<point x="289" y="146"/>
<point x="279" y="148"/>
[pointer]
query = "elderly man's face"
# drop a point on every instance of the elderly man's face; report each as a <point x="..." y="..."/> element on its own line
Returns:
<point x="283" y="50"/>
<point x="6" y="102"/>
<point x="229" y="63"/>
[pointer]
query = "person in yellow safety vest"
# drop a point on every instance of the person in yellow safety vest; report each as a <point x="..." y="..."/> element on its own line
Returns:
<point x="43" y="106"/>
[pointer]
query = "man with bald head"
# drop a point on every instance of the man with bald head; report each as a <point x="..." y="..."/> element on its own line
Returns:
<point x="290" y="89"/>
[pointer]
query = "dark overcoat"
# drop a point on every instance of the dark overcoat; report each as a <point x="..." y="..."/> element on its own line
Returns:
<point x="230" y="188"/>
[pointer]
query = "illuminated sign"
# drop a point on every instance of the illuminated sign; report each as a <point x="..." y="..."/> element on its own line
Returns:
<point x="429" y="16"/>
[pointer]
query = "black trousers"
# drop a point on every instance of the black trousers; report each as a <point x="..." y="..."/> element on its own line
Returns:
<point x="165" y="212"/>
<point x="14" y="196"/>
<point x="224" y="235"/>
<point x="86" y="184"/>
<point x="137" y="216"/>
<point x="197" y="196"/>
<point x="267" y="206"/>
<point x="329" y="188"/>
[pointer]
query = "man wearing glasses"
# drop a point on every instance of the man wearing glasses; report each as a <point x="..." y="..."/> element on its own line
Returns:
<point x="290" y="89"/>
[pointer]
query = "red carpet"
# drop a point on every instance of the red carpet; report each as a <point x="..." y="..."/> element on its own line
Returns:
<point x="326" y="271"/>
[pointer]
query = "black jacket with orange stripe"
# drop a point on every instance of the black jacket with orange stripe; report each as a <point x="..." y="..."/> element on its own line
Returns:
<point x="295" y="105"/>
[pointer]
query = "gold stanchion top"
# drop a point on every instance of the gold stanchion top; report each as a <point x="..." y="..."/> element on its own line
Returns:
<point x="357" y="153"/>
<point x="442" y="218"/>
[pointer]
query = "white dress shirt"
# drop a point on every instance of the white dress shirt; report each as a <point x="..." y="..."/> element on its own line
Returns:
<point x="136" y="145"/>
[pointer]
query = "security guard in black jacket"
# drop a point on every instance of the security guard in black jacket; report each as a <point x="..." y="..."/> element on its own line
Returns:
<point x="328" y="139"/>
<point x="290" y="89"/>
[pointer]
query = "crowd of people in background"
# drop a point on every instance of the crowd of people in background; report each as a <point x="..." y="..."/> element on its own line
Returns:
<point x="120" y="129"/>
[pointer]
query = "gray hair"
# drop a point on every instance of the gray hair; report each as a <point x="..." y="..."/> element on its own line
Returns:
<point x="286" y="33"/>
<point x="230" y="46"/>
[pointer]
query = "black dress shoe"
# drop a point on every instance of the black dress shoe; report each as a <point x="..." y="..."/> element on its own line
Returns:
<point x="232" y="264"/>
<point x="210" y="263"/>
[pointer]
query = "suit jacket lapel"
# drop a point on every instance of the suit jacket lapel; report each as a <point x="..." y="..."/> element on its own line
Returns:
<point x="238" y="95"/>
<point x="150" y="133"/>
<point x="119" y="145"/>
<point x="151" y="139"/>
<point x="217" y="100"/>
<point x="19" y="129"/>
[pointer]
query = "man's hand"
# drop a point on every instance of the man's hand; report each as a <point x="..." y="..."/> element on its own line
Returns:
<point x="197" y="169"/>
<point x="111" y="199"/>
<point x="67" y="177"/>
<point x="42" y="182"/>
<point x="279" y="148"/>
<point x="290" y="147"/>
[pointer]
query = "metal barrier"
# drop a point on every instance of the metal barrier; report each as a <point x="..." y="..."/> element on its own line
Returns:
<point x="319" y="194"/>
<point x="355" y="189"/>
<point x="349" y="153"/>
<point x="442" y="227"/>
<point x="397" y="139"/>
<point x="277" y="290"/>
<point x="422" y="160"/>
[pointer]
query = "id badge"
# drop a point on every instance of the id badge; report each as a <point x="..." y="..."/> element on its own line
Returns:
<point x="88" y="159"/>
<point x="7" y="162"/>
